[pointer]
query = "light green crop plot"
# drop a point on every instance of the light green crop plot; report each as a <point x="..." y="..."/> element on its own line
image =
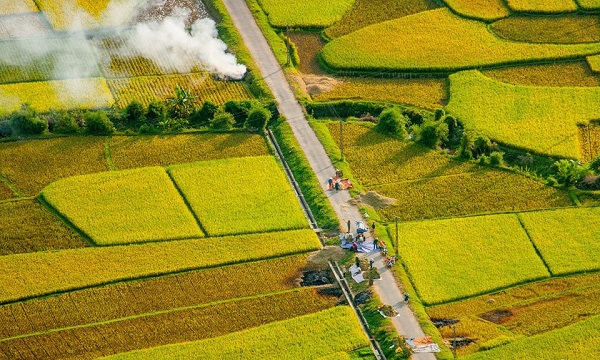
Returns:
<point x="542" y="6"/>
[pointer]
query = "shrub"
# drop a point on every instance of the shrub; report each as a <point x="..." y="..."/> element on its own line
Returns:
<point x="98" y="123"/>
<point x="134" y="115"/>
<point x="589" y="182"/>
<point x="594" y="165"/>
<point x="26" y="121"/>
<point x="239" y="109"/>
<point x="467" y="144"/>
<point x="415" y="117"/>
<point x="5" y="128"/>
<point x="203" y="116"/>
<point x="392" y="122"/>
<point x="157" y="112"/>
<point x="568" y="172"/>
<point x="497" y="158"/>
<point x="223" y="120"/>
<point x="64" y="123"/>
<point x="438" y="114"/>
<point x="257" y="118"/>
<point x="433" y="133"/>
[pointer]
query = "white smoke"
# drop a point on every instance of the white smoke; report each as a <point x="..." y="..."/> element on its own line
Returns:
<point x="169" y="44"/>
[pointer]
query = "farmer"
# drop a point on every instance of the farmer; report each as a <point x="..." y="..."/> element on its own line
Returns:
<point x="371" y="263"/>
<point x="406" y="296"/>
<point x="330" y="183"/>
<point x="375" y="243"/>
<point x="337" y="186"/>
<point x="349" y="226"/>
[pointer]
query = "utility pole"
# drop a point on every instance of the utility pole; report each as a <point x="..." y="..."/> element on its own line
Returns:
<point x="396" y="218"/>
<point x="454" y="341"/>
<point x="342" y="138"/>
<point x="287" y="45"/>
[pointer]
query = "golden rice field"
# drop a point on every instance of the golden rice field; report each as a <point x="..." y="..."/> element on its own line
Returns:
<point x="17" y="6"/>
<point x="566" y="74"/>
<point x="36" y="274"/>
<point x="173" y="326"/>
<point x="90" y="93"/>
<point x="124" y="207"/>
<point x="377" y="159"/>
<point x="594" y="63"/>
<point x="540" y="119"/>
<point x="87" y="14"/>
<point x="431" y="46"/>
<point x="157" y="294"/>
<point x="369" y="12"/>
<point x="589" y="140"/>
<point x="479" y="192"/>
<point x="6" y="192"/>
<point x="513" y="296"/>
<point x="482" y="331"/>
<point x="303" y="13"/>
<point x="146" y="88"/>
<point x="323" y="333"/>
<point x="486" y="10"/>
<point x="542" y="6"/>
<point x="239" y="195"/>
<point x="589" y="4"/>
<point x="423" y="93"/>
<point x="576" y="341"/>
<point x="465" y="257"/>
<point x="567" y="239"/>
<point x="161" y="150"/>
<point x="33" y="164"/>
<point x="564" y="29"/>
<point x="27" y="227"/>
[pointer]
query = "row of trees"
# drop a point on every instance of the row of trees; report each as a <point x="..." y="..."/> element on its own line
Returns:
<point x="179" y="112"/>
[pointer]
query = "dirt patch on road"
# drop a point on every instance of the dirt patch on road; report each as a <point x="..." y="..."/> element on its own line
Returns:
<point x="374" y="200"/>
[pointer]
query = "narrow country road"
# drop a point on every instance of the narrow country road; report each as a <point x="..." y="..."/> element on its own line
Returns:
<point x="387" y="289"/>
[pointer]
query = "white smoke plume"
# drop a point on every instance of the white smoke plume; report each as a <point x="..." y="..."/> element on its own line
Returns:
<point x="169" y="43"/>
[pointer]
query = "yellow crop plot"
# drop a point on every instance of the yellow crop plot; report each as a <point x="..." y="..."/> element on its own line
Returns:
<point x="90" y="93"/>
<point x="429" y="41"/>
<point x="487" y="10"/>
<point x="541" y="119"/>
<point x="589" y="4"/>
<point x="86" y="14"/>
<point x="303" y="13"/>
<point x="122" y="207"/>
<point x="543" y="6"/>
<point x="467" y="256"/>
<point x="239" y="195"/>
<point x="565" y="74"/>
<point x="323" y="333"/>
<point x="30" y="275"/>
<point x="594" y="63"/>
<point x="558" y="29"/>
<point x="17" y="6"/>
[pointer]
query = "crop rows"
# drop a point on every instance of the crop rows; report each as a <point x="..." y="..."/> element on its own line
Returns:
<point x="35" y="274"/>
<point x="589" y="4"/>
<point x="471" y="256"/>
<point x="62" y="57"/>
<point x="86" y="14"/>
<point x="568" y="74"/>
<point x="178" y="325"/>
<point x="428" y="41"/>
<point x="299" y="13"/>
<point x="140" y="151"/>
<point x="127" y="299"/>
<point x="89" y="93"/>
<point x="146" y="88"/>
<point x="541" y="119"/>
<point x="324" y="333"/>
<point x="27" y="227"/>
<point x="122" y="207"/>
<point x="543" y="6"/>
<point x="565" y="29"/>
<point x="369" y="12"/>
<point x="33" y="164"/>
<point x="487" y="10"/>
<point x="424" y="93"/>
<point x="17" y="6"/>
<point x="239" y="195"/>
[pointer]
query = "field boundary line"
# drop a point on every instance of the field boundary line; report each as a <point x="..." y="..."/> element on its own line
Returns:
<point x="11" y="186"/>
<point x="107" y="154"/>
<point x="187" y="204"/>
<point x="17" y="199"/>
<point x="159" y="312"/>
<point x="40" y="198"/>
<point x="537" y="251"/>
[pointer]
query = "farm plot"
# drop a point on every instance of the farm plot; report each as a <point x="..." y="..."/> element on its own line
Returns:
<point x="36" y="274"/>
<point x="6" y="192"/>
<point x="368" y="12"/>
<point x="466" y="194"/>
<point x="428" y="41"/>
<point x="564" y="29"/>
<point x="574" y="74"/>
<point x="589" y="4"/>
<point x="17" y="6"/>
<point x="87" y="14"/>
<point x="239" y="195"/>
<point x="302" y="13"/>
<point x="11" y="27"/>
<point x="576" y="341"/>
<point x="594" y="63"/>
<point x="308" y="45"/>
<point x="567" y="238"/>
<point x="139" y="151"/>
<point x="541" y="119"/>
<point x="146" y="88"/>
<point x="542" y="6"/>
<point x="324" y="333"/>
<point x="46" y="58"/>
<point x="33" y="164"/>
<point x="424" y="93"/>
<point x="467" y="256"/>
<point x="157" y="294"/>
<point x="27" y="227"/>
<point x="173" y="326"/>
<point x="90" y="93"/>
<point x="486" y="10"/>
<point x="122" y="207"/>
<point x="589" y="140"/>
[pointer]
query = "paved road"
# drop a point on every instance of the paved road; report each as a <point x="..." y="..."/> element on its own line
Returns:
<point x="386" y="288"/>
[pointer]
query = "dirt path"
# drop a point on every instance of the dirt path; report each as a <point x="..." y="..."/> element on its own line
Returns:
<point x="386" y="288"/>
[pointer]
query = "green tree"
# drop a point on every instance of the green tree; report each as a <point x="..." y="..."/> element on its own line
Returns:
<point x="568" y="172"/>
<point x="203" y="116"/>
<point x="156" y="113"/>
<point x="182" y="103"/>
<point x="467" y="144"/>
<point x="98" y="123"/>
<point x="433" y="133"/>
<point x="392" y="122"/>
<point x="134" y="115"/>
<point x="258" y="117"/>
<point x="26" y="121"/>
<point x="222" y="121"/>
<point x="64" y="123"/>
